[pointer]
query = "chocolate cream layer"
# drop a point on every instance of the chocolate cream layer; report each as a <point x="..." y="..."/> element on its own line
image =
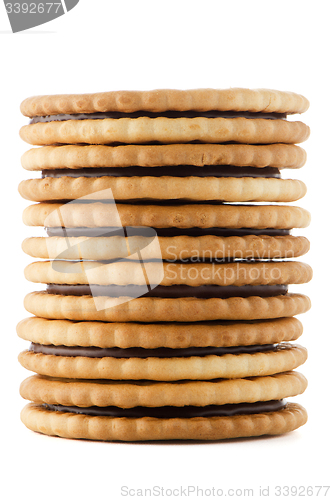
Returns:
<point x="173" y="171"/>
<point x="169" y="292"/>
<point x="139" y="352"/>
<point x="150" y="232"/>
<point x="160" y="203"/>
<point x="166" y="114"/>
<point x="227" y="410"/>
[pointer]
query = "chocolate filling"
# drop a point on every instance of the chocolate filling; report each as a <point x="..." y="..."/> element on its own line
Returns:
<point x="177" y="171"/>
<point x="227" y="410"/>
<point x="162" y="232"/>
<point x="166" y="114"/>
<point x="169" y="292"/>
<point x="158" y="203"/>
<point x="139" y="352"/>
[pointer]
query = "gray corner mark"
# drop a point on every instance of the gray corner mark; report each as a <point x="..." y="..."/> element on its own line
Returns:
<point x="70" y="4"/>
<point x="25" y="14"/>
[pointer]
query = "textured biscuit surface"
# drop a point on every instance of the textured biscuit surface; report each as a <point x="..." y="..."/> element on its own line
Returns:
<point x="199" y="155"/>
<point x="68" y="392"/>
<point x="150" y="309"/>
<point x="170" y="248"/>
<point x="165" y="130"/>
<point x="38" y="419"/>
<point x="167" y="274"/>
<point x="185" y="216"/>
<point x="154" y="335"/>
<point x="234" y="99"/>
<point x="286" y="357"/>
<point x="228" y="189"/>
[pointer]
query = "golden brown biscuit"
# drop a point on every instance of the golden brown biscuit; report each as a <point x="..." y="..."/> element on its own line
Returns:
<point x="84" y="393"/>
<point x="182" y="216"/>
<point x="228" y="189"/>
<point x="235" y="99"/>
<point x="165" y="130"/>
<point x="151" y="309"/>
<point x="283" y="358"/>
<point x="168" y="274"/>
<point x="154" y="335"/>
<point x="39" y="419"/>
<point x="170" y="248"/>
<point x="199" y="155"/>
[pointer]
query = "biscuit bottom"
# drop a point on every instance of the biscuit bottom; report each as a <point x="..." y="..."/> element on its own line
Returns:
<point x="70" y="425"/>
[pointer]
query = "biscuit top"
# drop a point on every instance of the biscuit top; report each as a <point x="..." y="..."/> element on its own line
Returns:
<point x="128" y="101"/>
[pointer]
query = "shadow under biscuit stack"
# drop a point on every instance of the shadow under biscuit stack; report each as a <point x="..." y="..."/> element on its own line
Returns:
<point x="165" y="310"/>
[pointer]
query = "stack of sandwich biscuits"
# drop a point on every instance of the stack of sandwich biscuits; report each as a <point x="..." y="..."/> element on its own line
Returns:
<point x="165" y="311"/>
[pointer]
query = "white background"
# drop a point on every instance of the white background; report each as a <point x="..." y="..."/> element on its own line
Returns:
<point x="107" y="45"/>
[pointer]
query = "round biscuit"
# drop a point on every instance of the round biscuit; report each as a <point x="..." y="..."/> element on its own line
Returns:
<point x="228" y="189"/>
<point x="67" y="425"/>
<point x="84" y="393"/>
<point x="155" y="335"/>
<point x="146" y="130"/>
<point x="182" y="216"/>
<point x="170" y="248"/>
<point x="132" y="155"/>
<point x="206" y="99"/>
<point x="169" y="273"/>
<point x="286" y="357"/>
<point x="150" y="309"/>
